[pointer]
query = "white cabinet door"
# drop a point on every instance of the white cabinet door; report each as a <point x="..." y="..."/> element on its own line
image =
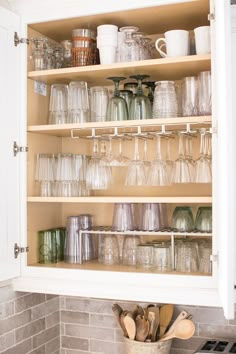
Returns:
<point x="9" y="132"/>
<point x="224" y="193"/>
<point x="233" y="85"/>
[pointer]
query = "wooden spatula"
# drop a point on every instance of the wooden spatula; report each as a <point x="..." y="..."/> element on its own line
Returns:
<point x="130" y="326"/>
<point x="142" y="328"/>
<point x="166" y="313"/>
<point x="183" y="315"/>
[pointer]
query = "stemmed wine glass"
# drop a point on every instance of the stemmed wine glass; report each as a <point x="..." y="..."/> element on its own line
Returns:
<point x="117" y="107"/>
<point x="158" y="172"/>
<point x="98" y="176"/>
<point x="189" y="157"/>
<point x="181" y="171"/>
<point x="168" y="161"/>
<point x="136" y="171"/>
<point x="140" y="105"/>
<point x="203" y="164"/>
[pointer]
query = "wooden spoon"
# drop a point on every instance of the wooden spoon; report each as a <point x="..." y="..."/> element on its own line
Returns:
<point x="151" y="319"/>
<point x="183" y="330"/>
<point x="155" y="310"/>
<point x="117" y="310"/>
<point x="166" y="313"/>
<point x="183" y="315"/>
<point x="122" y="316"/>
<point x="130" y="326"/>
<point x="142" y="328"/>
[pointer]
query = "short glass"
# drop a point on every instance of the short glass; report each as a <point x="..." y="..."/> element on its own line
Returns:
<point x="129" y="253"/>
<point x="145" y="256"/>
<point x="182" y="219"/>
<point x="162" y="257"/>
<point x="203" y="221"/>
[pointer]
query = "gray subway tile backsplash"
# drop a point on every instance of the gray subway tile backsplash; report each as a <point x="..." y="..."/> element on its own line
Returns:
<point x="51" y="324"/>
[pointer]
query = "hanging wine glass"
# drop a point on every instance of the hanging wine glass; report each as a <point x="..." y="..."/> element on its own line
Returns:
<point x="140" y="106"/>
<point x="203" y="165"/>
<point x="181" y="172"/>
<point x="158" y="171"/>
<point x="117" y="107"/>
<point x="136" y="171"/>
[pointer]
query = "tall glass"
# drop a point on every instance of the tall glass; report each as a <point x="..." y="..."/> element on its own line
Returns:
<point x="98" y="103"/>
<point x="190" y="96"/>
<point x="79" y="111"/>
<point x="204" y="101"/>
<point x="58" y="104"/>
<point x="117" y="108"/>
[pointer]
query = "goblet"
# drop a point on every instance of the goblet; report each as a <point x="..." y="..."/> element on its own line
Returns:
<point x="140" y="106"/>
<point x="117" y="106"/>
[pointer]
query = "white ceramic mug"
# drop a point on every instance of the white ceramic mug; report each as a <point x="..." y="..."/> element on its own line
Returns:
<point x="202" y="39"/>
<point x="177" y="43"/>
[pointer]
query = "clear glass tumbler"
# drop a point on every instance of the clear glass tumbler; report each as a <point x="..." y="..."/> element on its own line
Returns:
<point x="129" y="252"/>
<point x="165" y="100"/>
<point x="204" y="97"/>
<point x="98" y="103"/>
<point x="58" y="104"/>
<point x="79" y="110"/>
<point x="190" y="96"/>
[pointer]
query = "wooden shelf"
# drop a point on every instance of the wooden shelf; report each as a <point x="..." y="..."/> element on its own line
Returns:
<point x="173" y="200"/>
<point x="128" y="126"/>
<point x="158" y="69"/>
<point x="94" y="265"/>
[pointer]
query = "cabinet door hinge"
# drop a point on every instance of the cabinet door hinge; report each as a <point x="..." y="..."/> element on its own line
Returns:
<point x="18" y="40"/>
<point x="17" y="148"/>
<point x="18" y="250"/>
<point x="211" y="17"/>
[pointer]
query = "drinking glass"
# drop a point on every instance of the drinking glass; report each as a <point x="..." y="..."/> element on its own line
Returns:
<point x="150" y="217"/>
<point x="98" y="176"/>
<point x="203" y="163"/>
<point x="129" y="48"/>
<point x="165" y="100"/>
<point x="162" y="256"/>
<point x="203" y="221"/>
<point x="129" y="254"/>
<point x="38" y="56"/>
<point x="190" y="96"/>
<point x="145" y="256"/>
<point x="80" y="164"/>
<point x="123" y="218"/>
<point x="120" y="159"/>
<point x="47" y="246"/>
<point x="58" y="104"/>
<point x="64" y="176"/>
<point x="98" y="103"/>
<point x="140" y="105"/>
<point x="189" y="158"/>
<point x="146" y="162"/>
<point x="204" y="97"/>
<point x="131" y="86"/>
<point x="89" y="246"/>
<point x="169" y="163"/>
<point x="108" y="250"/>
<point x="44" y="173"/>
<point x="181" y="171"/>
<point x="127" y="95"/>
<point x="78" y="105"/>
<point x="151" y="87"/>
<point x="158" y="171"/>
<point x="72" y="251"/>
<point x="60" y="240"/>
<point x="67" y="56"/>
<point x="205" y="252"/>
<point x="163" y="216"/>
<point x="186" y="256"/>
<point x="136" y="171"/>
<point x="58" y="57"/>
<point x="117" y="108"/>
<point x="182" y="219"/>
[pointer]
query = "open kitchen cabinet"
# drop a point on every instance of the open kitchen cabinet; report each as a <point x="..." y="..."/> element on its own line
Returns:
<point x="123" y="282"/>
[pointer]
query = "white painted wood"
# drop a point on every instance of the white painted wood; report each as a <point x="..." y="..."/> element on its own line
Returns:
<point x="10" y="118"/>
<point x="233" y="85"/>
<point x="151" y="291"/>
<point x="224" y="164"/>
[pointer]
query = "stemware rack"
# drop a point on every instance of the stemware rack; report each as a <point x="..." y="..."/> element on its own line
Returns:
<point x="165" y="232"/>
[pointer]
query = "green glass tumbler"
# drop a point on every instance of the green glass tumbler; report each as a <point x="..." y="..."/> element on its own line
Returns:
<point x="60" y="240"/>
<point x="182" y="220"/>
<point x="47" y="246"/>
<point x="204" y="219"/>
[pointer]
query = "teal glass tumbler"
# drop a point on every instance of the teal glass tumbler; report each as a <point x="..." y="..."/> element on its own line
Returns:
<point x="182" y="219"/>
